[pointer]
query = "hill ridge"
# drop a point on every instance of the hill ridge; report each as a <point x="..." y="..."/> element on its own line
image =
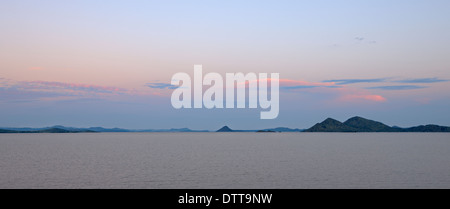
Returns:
<point x="360" y="124"/>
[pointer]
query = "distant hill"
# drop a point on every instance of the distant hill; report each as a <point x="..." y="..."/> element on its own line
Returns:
<point x="428" y="128"/>
<point x="7" y="131"/>
<point x="64" y="129"/>
<point x="281" y="129"/>
<point x="266" y="131"/>
<point x="365" y="125"/>
<point x="49" y="130"/>
<point x="100" y="129"/>
<point x="359" y="124"/>
<point x="170" y="130"/>
<point x="22" y="129"/>
<point x="225" y="129"/>
<point x="59" y="130"/>
<point x="228" y="129"/>
<point x="331" y="125"/>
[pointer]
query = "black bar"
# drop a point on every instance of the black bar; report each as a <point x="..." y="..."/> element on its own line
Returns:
<point x="220" y="198"/>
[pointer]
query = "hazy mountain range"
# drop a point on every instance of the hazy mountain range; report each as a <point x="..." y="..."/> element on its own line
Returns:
<point x="63" y="129"/>
<point x="355" y="124"/>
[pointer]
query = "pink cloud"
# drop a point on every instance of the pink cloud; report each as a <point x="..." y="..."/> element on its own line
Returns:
<point x="375" y="98"/>
<point x="35" y="68"/>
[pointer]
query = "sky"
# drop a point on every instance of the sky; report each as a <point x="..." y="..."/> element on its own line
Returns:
<point x="109" y="63"/>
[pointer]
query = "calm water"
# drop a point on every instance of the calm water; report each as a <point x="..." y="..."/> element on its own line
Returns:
<point x="225" y="160"/>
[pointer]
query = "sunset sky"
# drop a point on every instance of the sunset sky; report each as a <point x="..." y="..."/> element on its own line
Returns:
<point x="108" y="63"/>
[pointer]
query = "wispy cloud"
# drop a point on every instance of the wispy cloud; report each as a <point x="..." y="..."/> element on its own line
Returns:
<point x="11" y="91"/>
<point x="16" y="94"/>
<point x="359" y="38"/>
<point x="354" y="81"/>
<point x="288" y="84"/>
<point x="422" y="80"/>
<point x="307" y="87"/>
<point x="161" y="86"/>
<point x="298" y="87"/>
<point x="46" y="85"/>
<point x="394" y="88"/>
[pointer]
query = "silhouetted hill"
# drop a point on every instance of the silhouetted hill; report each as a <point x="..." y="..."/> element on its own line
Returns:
<point x="225" y="129"/>
<point x="365" y="125"/>
<point x="331" y="125"/>
<point x="359" y="124"/>
<point x="428" y="128"/>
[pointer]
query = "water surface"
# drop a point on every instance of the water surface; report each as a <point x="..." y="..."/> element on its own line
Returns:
<point x="225" y="160"/>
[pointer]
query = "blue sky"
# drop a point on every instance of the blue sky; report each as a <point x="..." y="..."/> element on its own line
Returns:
<point x="96" y="63"/>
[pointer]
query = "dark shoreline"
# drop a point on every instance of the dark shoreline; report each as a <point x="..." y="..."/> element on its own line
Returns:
<point x="330" y="125"/>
